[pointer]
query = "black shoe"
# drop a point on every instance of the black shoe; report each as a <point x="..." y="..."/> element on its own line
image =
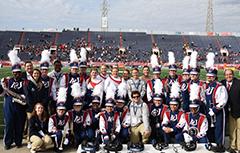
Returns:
<point x="218" y="148"/>
<point x="231" y="150"/>
<point x="165" y="146"/>
<point x="19" y="146"/>
<point x="7" y="147"/>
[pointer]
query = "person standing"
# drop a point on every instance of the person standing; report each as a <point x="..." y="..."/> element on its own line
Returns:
<point x="232" y="85"/>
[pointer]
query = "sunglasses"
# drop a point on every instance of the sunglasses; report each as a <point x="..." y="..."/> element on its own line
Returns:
<point x="135" y="97"/>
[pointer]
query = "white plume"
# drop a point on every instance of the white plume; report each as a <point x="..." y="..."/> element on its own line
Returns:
<point x="13" y="57"/>
<point x="185" y="62"/>
<point x="193" y="60"/>
<point x="76" y="90"/>
<point x="158" y="86"/>
<point x="62" y="94"/>
<point x="194" y="90"/>
<point x="210" y="60"/>
<point x="73" y="56"/>
<point x="122" y="89"/>
<point x="154" y="60"/>
<point x="45" y="56"/>
<point x="171" y="58"/>
<point x="110" y="93"/>
<point x="175" y="90"/>
<point x="83" y="55"/>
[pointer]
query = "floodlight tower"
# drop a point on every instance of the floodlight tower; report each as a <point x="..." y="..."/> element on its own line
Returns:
<point x="104" y="17"/>
<point x="209" y="23"/>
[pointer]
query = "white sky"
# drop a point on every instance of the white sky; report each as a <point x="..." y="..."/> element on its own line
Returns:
<point x="150" y="15"/>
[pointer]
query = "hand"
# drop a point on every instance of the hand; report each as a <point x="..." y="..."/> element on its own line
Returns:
<point x="146" y="133"/>
<point x="167" y="130"/>
<point x="187" y="137"/>
<point x="211" y="113"/>
<point x="54" y="129"/>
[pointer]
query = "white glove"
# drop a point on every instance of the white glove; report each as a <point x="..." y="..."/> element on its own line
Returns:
<point x="211" y="113"/>
<point x="66" y="141"/>
<point x="41" y="133"/>
<point x="187" y="137"/>
<point x="113" y="137"/>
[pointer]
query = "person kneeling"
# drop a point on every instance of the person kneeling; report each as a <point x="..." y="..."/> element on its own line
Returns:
<point x="38" y="127"/>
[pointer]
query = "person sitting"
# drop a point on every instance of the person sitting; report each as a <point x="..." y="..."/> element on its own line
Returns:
<point x="38" y="124"/>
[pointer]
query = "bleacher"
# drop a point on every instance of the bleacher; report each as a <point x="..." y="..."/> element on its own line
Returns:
<point x="138" y="44"/>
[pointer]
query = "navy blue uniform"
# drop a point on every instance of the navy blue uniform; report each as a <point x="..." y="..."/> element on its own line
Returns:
<point x="185" y="95"/>
<point x="14" y="113"/>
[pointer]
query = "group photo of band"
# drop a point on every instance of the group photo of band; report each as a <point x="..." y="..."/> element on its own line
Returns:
<point x="90" y="105"/>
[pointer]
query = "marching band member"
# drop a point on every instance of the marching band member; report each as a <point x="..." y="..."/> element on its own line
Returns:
<point x="184" y="84"/>
<point x="157" y="110"/>
<point x="38" y="124"/>
<point x="73" y="77"/>
<point x="135" y="83"/>
<point x="58" y="125"/>
<point x="171" y="124"/>
<point x="59" y="80"/>
<point x="172" y="76"/>
<point x="14" y="108"/>
<point x="46" y="80"/>
<point x="83" y="65"/>
<point x="103" y="72"/>
<point x="112" y="79"/>
<point x="216" y="99"/>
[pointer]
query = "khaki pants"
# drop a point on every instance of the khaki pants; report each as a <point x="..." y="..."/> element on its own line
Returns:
<point x="40" y="143"/>
<point x="234" y="132"/>
<point x="136" y="132"/>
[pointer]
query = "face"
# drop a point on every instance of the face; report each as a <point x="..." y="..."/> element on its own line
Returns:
<point x="77" y="108"/>
<point x="74" y="70"/>
<point x="185" y="76"/>
<point x="103" y="69"/>
<point x="94" y="74"/>
<point x="95" y="106"/>
<point x="172" y="73"/>
<point x="156" y="75"/>
<point x="109" y="109"/>
<point x="173" y="107"/>
<point x="125" y="75"/>
<point x="194" y="110"/>
<point x="135" y="73"/>
<point x="114" y="72"/>
<point x="17" y="74"/>
<point x="228" y="75"/>
<point x="44" y="72"/>
<point x="210" y="78"/>
<point x="145" y="71"/>
<point x="57" y="67"/>
<point x="60" y="112"/>
<point x="29" y="67"/>
<point x="36" y="75"/>
<point x="157" y="102"/>
<point x="39" y="109"/>
<point x="119" y="104"/>
<point x="194" y="77"/>
<point x="136" y="98"/>
<point x="83" y="70"/>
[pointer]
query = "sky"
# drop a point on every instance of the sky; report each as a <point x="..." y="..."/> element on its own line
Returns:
<point x="137" y="15"/>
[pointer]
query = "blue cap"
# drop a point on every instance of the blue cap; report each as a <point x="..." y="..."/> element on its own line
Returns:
<point x="174" y="101"/>
<point x="120" y="99"/>
<point x="157" y="97"/>
<point x="61" y="105"/>
<point x="195" y="71"/>
<point x="156" y="70"/>
<point x="16" y="68"/>
<point x="96" y="99"/>
<point x="109" y="102"/>
<point x="194" y="104"/>
<point x="173" y="67"/>
<point x="74" y="65"/>
<point x="186" y="71"/>
<point x="211" y="72"/>
<point x="83" y="64"/>
<point x="77" y="101"/>
<point x="44" y="65"/>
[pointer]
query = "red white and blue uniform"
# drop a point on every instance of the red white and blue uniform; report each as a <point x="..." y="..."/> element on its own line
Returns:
<point x="173" y="120"/>
<point x="216" y="99"/>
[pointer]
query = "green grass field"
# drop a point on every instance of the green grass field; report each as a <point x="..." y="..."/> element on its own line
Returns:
<point x="4" y="72"/>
